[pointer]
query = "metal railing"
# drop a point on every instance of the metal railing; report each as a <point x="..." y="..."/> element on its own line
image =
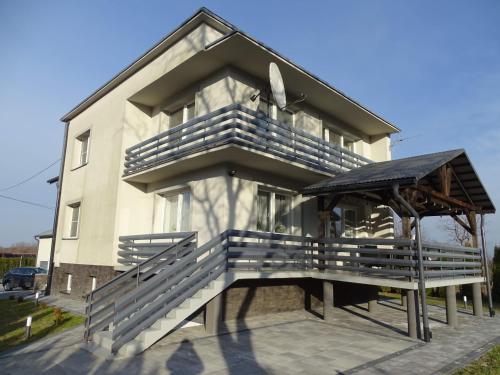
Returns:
<point x="239" y="126"/>
<point x="139" y="297"/>
<point x="138" y="248"/>
<point x="101" y="303"/>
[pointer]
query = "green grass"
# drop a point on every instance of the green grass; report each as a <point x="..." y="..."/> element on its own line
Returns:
<point x="13" y="321"/>
<point x="488" y="364"/>
<point x="439" y="301"/>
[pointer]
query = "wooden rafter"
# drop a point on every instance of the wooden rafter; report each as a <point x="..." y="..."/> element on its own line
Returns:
<point x="462" y="223"/>
<point x="445" y="179"/>
<point x="441" y="198"/>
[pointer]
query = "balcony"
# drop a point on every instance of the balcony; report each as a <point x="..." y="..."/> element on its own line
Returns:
<point x="238" y="135"/>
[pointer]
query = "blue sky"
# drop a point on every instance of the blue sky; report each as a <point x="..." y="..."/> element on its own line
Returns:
<point x="430" y="67"/>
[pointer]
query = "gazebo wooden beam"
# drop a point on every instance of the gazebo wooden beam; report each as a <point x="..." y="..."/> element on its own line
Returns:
<point x="445" y="179"/>
<point x="462" y="223"/>
<point x="445" y="199"/>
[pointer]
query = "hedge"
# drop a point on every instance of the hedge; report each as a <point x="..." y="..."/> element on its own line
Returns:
<point x="496" y="274"/>
<point x="9" y="263"/>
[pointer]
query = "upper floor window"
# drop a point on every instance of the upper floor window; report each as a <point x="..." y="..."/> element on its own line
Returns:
<point x="348" y="144"/>
<point x="73" y="220"/>
<point x="274" y="212"/>
<point x="332" y="136"/>
<point x="82" y="149"/>
<point x="181" y="115"/>
<point x="271" y="110"/>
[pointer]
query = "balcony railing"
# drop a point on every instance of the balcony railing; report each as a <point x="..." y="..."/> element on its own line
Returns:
<point x="242" y="127"/>
<point x="370" y="257"/>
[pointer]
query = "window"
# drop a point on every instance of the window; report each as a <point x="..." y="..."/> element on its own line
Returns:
<point x="68" y="283"/>
<point x="331" y="136"/>
<point x="82" y="149"/>
<point x="271" y="110"/>
<point x="343" y="223"/>
<point x="74" y="220"/>
<point x="181" y="115"/>
<point x="263" y="209"/>
<point x="349" y="145"/>
<point x="274" y="213"/>
<point x="173" y="213"/>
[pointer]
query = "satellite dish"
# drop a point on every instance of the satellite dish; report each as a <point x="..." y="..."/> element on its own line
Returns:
<point x="277" y="85"/>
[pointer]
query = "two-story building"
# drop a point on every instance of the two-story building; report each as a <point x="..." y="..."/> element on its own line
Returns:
<point x="186" y="146"/>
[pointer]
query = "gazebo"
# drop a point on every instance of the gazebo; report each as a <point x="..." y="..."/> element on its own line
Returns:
<point x="438" y="184"/>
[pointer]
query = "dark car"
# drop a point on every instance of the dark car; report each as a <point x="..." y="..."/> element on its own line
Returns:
<point x="23" y="277"/>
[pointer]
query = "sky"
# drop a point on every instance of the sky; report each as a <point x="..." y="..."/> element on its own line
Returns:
<point x="430" y="67"/>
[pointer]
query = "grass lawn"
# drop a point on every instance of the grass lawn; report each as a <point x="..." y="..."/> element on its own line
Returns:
<point x="438" y="301"/>
<point x="13" y="321"/>
<point x="488" y="364"/>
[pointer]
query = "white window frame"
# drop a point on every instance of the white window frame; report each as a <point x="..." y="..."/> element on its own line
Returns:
<point x="343" y="209"/>
<point x="273" y="109"/>
<point x="70" y="210"/>
<point x="185" y="113"/>
<point x="272" y="209"/>
<point x="79" y="161"/>
<point x="69" y="281"/>
<point x="160" y="209"/>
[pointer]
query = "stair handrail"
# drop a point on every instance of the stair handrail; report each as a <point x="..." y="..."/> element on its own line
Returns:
<point x="182" y="280"/>
<point x="135" y="271"/>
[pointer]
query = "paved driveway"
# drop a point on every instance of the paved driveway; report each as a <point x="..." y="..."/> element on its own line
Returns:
<point x="290" y="343"/>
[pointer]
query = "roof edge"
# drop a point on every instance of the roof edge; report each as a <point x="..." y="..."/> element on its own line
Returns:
<point x="140" y="62"/>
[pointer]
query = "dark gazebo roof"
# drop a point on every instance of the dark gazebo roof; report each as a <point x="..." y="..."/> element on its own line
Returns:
<point x="423" y="170"/>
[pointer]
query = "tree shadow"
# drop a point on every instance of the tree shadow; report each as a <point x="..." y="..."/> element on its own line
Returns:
<point x="242" y="342"/>
<point x="185" y="360"/>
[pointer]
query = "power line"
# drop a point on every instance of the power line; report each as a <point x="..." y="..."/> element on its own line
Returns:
<point x="31" y="177"/>
<point x="26" y="202"/>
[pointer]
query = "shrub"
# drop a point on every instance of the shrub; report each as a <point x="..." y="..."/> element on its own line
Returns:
<point x="12" y="297"/>
<point x="496" y="274"/>
<point x="58" y="316"/>
<point x="20" y="299"/>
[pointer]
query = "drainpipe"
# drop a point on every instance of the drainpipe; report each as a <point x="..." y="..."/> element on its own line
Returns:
<point x="418" y="238"/>
<point x="56" y="213"/>
<point x="486" y="268"/>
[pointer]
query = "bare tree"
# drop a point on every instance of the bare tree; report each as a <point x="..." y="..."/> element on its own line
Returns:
<point x="456" y="232"/>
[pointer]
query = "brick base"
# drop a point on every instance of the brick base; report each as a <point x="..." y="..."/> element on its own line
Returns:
<point x="82" y="275"/>
<point x="248" y="298"/>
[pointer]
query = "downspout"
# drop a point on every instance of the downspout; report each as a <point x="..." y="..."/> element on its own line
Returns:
<point x="418" y="238"/>
<point x="486" y="269"/>
<point x="56" y="213"/>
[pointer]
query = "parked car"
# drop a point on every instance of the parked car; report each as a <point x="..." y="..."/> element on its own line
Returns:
<point x="23" y="277"/>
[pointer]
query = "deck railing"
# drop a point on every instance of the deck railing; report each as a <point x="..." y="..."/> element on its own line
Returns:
<point x="239" y="126"/>
<point x="371" y="257"/>
<point x="139" y="297"/>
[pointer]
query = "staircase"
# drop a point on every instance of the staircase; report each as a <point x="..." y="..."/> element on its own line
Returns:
<point x="136" y="309"/>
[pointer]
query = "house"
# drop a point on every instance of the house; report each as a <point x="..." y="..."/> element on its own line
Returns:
<point x="187" y="193"/>
<point x="44" y="240"/>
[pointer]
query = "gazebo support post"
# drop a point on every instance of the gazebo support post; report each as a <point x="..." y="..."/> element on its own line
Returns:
<point x="486" y="269"/>
<point x="418" y="237"/>
<point x="477" y="300"/>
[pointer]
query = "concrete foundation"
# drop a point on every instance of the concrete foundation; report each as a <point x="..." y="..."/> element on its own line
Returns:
<point x="477" y="300"/>
<point x="213" y="315"/>
<point x="373" y="299"/>
<point x="328" y="300"/>
<point x="411" y="314"/>
<point x="451" y="306"/>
